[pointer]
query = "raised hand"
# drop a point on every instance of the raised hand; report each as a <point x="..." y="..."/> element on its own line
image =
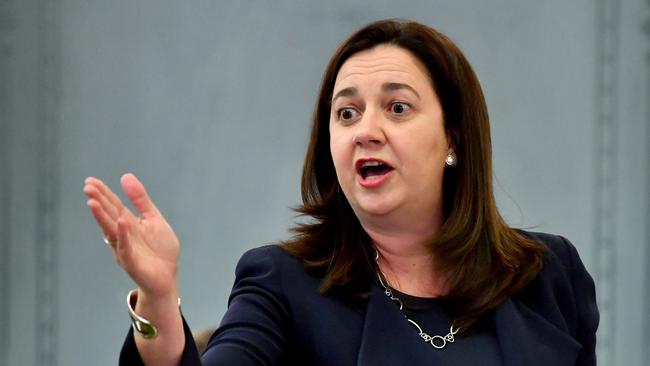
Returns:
<point x="146" y="247"/>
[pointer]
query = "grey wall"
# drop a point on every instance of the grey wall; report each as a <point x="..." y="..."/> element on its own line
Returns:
<point x="209" y="103"/>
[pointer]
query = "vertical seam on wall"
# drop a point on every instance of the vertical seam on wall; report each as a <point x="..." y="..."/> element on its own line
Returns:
<point x="47" y="238"/>
<point x="606" y="153"/>
<point x="646" y="330"/>
<point x="6" y="26"/>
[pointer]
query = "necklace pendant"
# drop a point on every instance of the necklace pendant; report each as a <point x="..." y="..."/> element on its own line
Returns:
<point x="436" y="341"/>
<point x="440" y="344"/>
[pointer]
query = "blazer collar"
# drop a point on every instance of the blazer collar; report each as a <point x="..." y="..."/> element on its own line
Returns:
<point x="524" y="337"/>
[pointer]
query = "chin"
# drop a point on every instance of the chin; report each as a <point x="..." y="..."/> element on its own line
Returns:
<point x="374" y="208"/>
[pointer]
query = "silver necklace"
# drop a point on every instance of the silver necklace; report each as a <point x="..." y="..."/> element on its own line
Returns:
<point x="436" y="341"/>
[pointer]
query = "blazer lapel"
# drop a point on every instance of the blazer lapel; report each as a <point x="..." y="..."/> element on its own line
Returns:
<point x="528" y="339"/>
<point x="387" y="338"/>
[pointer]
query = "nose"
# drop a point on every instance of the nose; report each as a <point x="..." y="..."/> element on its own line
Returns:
<point x="369" y="131"/>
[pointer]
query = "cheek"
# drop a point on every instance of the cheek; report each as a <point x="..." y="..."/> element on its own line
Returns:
<point x="428" y="153"/>
<point x="338" y="151"/>
<point x="341" y="152"/>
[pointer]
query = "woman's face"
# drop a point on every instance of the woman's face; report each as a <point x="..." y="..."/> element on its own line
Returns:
<point x="387" y="135"/>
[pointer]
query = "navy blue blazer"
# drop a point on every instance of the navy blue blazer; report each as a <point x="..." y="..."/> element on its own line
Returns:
<point x="276" y="316"/>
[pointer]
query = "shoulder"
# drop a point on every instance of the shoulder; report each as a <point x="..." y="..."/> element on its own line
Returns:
<point x="273" y="268"/>
<point x="564" y="294"/>
<point x="563" y="291"/>
<point x="561" y="260"/>
<point x="268" y="258"/>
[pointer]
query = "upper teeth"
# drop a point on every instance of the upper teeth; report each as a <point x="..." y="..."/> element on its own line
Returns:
<point x="370" y="163"/>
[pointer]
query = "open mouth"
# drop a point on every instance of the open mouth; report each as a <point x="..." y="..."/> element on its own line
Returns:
<point x="372" y="169"/>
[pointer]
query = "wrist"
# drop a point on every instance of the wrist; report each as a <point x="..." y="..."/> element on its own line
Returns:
<point x="164" y="286"/>
<point x="149" y="315"/>
<point x="151" y="300"/>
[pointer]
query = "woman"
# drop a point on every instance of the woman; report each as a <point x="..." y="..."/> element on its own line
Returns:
<point x="406" y="259"/>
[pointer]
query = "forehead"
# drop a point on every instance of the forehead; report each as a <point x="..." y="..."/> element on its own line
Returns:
<point x="382" y="63"/>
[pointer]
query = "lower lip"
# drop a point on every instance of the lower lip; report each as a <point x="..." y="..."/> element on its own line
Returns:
<point x="374" y="182"/>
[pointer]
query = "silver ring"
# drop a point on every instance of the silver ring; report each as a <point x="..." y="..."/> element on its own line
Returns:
<point x="109" y="242"/>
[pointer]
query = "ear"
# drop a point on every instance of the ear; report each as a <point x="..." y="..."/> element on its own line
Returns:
<point x="453" y="139"/>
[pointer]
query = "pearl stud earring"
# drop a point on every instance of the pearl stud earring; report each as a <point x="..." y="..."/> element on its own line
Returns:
<point x="451" y="159"/>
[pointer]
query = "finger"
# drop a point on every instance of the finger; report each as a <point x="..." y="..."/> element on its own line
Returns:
<point x="107" y="224"/>
<point x="138" y="196"/>
<point x="125" y="252"/>
<point x="92" y="192"/>
<point x="120" y="249"/>
<point x="102" y="187"/>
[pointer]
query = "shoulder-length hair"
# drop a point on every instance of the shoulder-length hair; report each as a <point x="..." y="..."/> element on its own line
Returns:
<point x="485" y="260"/>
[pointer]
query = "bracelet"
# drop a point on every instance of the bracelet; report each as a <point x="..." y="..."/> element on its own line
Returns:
<point x="141" y="325"/>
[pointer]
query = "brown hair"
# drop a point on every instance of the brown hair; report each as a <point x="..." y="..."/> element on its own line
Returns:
<point x="486" y="260"/>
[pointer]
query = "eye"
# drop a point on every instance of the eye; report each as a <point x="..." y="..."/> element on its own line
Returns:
<point x="347" y="114"/>
<point x="400" y="108"/>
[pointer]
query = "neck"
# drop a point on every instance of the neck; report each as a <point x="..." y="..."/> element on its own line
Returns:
<point x="405" y="260"/>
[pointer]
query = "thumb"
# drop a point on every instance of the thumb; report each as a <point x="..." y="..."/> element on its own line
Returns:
<point x="138" y="196"/>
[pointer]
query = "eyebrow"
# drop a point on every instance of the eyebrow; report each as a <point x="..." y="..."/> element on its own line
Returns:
<point x="386" y="87"/>
<point x="347" y="92"/>
<point x="389" y="87"/>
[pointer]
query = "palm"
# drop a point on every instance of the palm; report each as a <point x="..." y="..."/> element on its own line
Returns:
<point x="155" y="252"/>
<point x="146" y="246"/>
